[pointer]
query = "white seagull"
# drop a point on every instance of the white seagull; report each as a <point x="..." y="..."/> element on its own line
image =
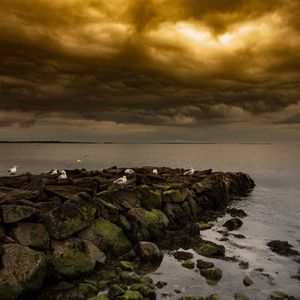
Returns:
<point x="13" y="170"/>
<point x="54" y="172"/>
<point x="128" y="171"/>
<point x="189" y="172"/>
<point x="63" y="175"/>
<point x="155" y="171"/>
<point x="121" y="180"/>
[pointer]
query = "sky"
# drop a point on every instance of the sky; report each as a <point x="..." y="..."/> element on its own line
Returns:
<point x="150" y="70"/>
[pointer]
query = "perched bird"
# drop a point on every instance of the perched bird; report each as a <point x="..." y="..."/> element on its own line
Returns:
<point x="63" y="175"/>
<point x="54" y="172"/>
<point x="13" y="170"/>
<point x="128" y="171"/>
<point x="189" y="172"/>
<point x="121" y="180"/>
<point x="155" y="171"/>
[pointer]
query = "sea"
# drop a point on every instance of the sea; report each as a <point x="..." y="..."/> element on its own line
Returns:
<point x="273" y="207"/>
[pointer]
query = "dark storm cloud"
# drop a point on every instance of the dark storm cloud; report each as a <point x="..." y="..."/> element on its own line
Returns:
<point x="180" y="63"/>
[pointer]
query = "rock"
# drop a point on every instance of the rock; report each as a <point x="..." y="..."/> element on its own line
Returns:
<point x="23" y="271"/>
<point x="66" y="191"/>
<point x="49" y="205"/>
<point x="95" y="253"/>
<point x="203" y="226"/>
<point x="63" y="286"/>
<point x="189" y="264"/>
<point x="31" y="234"/>
<point x="210" y="249"/>
<point x="160" y="284"/>
<point x="240" y="296"/>
<point x="175" y="196"/>
<point x="71" y="258"/>
<point x="86" y="288"/>
<point x="101" y="297"/>
<point x="176" y="215"/>
<point x="150" y="198"/>
<point x="201" y="264"/>
<point x="212" y="274"/>
<point x="211" y="297"/>
<point x="236" y="213"/>
<point x="247" y="281"/>
<point x="16" y="213"/>
<point x="244" y="265"/>
<point x="147" y="224"/>
<point x="149" y="251"/>
<point x="233" y="224"/>
<point x="130" y="295"/>
<point x="147" y="290"/>
<point x="72" y="216"/>
<point x="129" y="277"/>
<point x="115" y="291"/>
<point x="108" y="237"/>
<point x="278" y="295"/>
<point x="126" y="265"/>
<point x="282" y="248"/>
<point x="123" y="223"/>
<point x="182" y="255"/>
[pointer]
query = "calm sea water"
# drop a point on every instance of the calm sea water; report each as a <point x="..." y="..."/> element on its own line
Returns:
<point x="273" y="207"/>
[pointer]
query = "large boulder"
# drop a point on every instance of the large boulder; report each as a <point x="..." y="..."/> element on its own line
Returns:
<point x="177" y="195"/>
<point x="70" y="217"/>
<point x="23" y="271"/>
<point x="66" y="191"/>
<point x="32" y="235"/>
<point x="147" y="224"/>
<point x="71" y="258"/>
<point x="108" y="237"/>
<point x="150" y="197"/>
<point x="15" y="213"/>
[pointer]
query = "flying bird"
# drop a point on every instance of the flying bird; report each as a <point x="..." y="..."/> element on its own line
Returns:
<point x="121" y="180"/>
<point x="77" y="161"/>
<point x="63" y="175"/>
<point x="54" y="172"/>
<point x="12" y="171"/>
<point x="189" y="172"/>
<point x="155" y="171"/>
<point x="128" y="171"/>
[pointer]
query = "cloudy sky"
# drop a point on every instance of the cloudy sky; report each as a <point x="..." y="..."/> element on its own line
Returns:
<point x="150" y="70"/>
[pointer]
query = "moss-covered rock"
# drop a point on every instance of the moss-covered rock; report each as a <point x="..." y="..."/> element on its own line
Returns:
<point x="129" y="277"/>
<point x="126" y="265"/>
<point x="240" y="296"/>
<point x="174" y="196"/>
<point x="203" y="226"/>
<point x="108" y="237"/>
<point x="147" y="224"/>
<point x="212" y="274"/>
<point x="70" y="217"/>
<point x="210" y="250"/>
<point x="150" y="197"/>
<point x="130" y="295"/>
<point x="23" y="271"/>
<point x="101" y="297"/>
<point x="147" y="290"/>
<point x="86" y="288"/>
<point x="123" y="223"/>
<point x="189" y="264"/>
<point x="115" y="291"/>
<point x="71" y="259"/>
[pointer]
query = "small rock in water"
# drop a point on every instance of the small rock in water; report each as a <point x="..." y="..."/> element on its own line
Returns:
<point x="189" y="264"/>
<point x="278" y="295"/>
<point x="244" y="265"/>
<point x="282" y="248"/>
<point x="182" y="255"/>
<point x="240" y="296"/>
<point x="160" y="284"/>
<point x="233" y="224"/>
<point x="235" y="212"/>
<point x="201" y="264"/>
<point x="247" y="281"/>
<point x="115" y="291"/>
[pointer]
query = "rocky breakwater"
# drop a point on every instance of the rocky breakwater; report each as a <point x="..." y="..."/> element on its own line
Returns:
<point x="54" y="230"/>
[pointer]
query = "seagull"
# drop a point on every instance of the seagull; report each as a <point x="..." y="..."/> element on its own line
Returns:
<point x="63" y="175"/>
<point x="54" y="172"/>
<point x="189" y="172"/>
<point x="128" y="171"/>
<point x="121" y="180"/>
<point x="13" y="170"/>
<point x="155" y="171"/>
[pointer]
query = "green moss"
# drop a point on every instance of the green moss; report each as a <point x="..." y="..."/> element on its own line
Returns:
<point x="8" y="292"/>
<point x="151" y="198"/>
<point x="86" y="288"/>
<point x="203" y="226"/>
<point x="126" y="265"/>
<point x="123" y="223"/>
<point x="212" y="274"/>
<point x="173" y="196"/>
<point x="130" y="295"/>
<point x="209" y="250"/>
<point x="145" y="289"/>
<point x="163" y="186"/>
<point x="189" y="264"/>
<point x="101" y="297"/>
<point x="108" y="205"/>
<point x="114" y="236"/>
<point x="74" y="264"/>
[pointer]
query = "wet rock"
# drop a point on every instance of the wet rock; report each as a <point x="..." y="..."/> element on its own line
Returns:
<point x="175" y="196"/>
<point x="147" y="224"/>
<point x="72" y="216"/>
<point x="189" y="264"/>
<point x="297" y="276"/>
<point x="247" y="281"/>
<point x="236" y="213"/>
<point x="278" y="295"/>
<point x="108" y="237"/>
<point x="212" y="274"/>
<point x="282" y="248"/>
<point x="211" y="297"/>
<point x="233" y="224"/>
<point x="71" y="258"/>
<point x="129" y="277"/>
<point x="16" y="213"/>
<point x="124" y="223"/>
<point x="115" y="291"/>
<point x="101" y="297"/>
<point x="66" y="191"/>
<point x="126" y="265"/>
<point x="176" y="215"/>
<point x="95" y="253"/>
<point x="160" y="284"/>
<point x="23" y="271"/>
<point x="203" y="226"/>
<point x="244" y="265"/>
<point x="130" y="295"/>
<point x="182" y="255"/>
<point x="86" y="288"/>
<point x="146" y="290"/>
<point x="148" y="251"/>
<point x="238" y="236"/>
<point x="210" y="249"/>
<point x="150" y="198"/>
<point x="201" y="264"/>
<point x="240" y="296"/>
<point x="32" y="235"/>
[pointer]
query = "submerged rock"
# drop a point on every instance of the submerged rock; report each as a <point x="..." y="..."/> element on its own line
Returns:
<point x="236" y="213"/>
<point x="189" y="264"/>
<point x="201" y="264"/>
<point x="210" y="249"/>
<point x="282" y="248"/>
<point x="247" y="281"/>
<point x="240" y="296"/>
<point x="182" y="255"/>
<point x="212" y="274"/>
<point x="233" y="224"/>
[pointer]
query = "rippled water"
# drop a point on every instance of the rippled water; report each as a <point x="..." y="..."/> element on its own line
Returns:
<point x="273" y="207"/>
